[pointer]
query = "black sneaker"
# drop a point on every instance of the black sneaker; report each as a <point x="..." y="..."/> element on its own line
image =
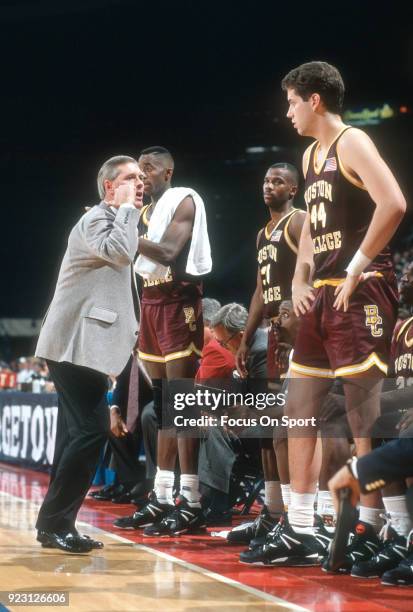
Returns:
<point x="243" y="534"/>
<point x="153" y="512"/>
<point x="391" y="553"/>
<point x="270" y="535"/>
<point x="402" y="575"/>
<point x="287" y="549"/>
<point x="324" y="533"/>
<point x="363" y="545"/>
<point x="183" y="518"/>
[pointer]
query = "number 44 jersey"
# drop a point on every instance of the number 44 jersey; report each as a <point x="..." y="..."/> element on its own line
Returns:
<point x="340" y="212"/>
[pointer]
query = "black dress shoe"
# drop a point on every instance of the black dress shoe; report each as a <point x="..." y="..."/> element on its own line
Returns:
<point x="106" y="493"/>
<point x="125" y="497"/>
<point x="70" y="542"/>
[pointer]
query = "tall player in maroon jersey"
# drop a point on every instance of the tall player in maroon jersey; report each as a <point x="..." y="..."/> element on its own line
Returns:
<point x="354" y="206"/>
<point x="170" y="344"/>
<point x="277" y="247"/>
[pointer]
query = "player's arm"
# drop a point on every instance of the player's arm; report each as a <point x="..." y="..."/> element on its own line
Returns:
<point x="255" y="315"/>
<point x="302" y="291"/>
<point x="175" y="237"/>
<point x="361" y="159"/>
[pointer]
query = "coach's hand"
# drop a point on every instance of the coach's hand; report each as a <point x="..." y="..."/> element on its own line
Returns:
<point x="125" y="194"/>
<point x="241" y="359"/>
<point x="302" y="295"/>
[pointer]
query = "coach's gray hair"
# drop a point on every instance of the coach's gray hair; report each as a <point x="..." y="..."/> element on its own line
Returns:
<point x="110" y="170"/>
<point x="210" y="307"/>
<point x="232" y="316"/>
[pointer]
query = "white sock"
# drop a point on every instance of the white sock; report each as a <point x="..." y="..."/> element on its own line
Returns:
<point x="273" y="499"/>
<point x="396" y="507"/>
<point x="301" y="512"/>
<point x="190" y="489"/>
<point x="325" y="506"/>
<point x="372" y="517"/>
<point x="164" y="482"/>
<point x="286" y="495"/>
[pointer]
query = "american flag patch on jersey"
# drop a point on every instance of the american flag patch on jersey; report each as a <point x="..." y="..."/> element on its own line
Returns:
<point x="275" y="237"/>
<point x="331" y="165"/>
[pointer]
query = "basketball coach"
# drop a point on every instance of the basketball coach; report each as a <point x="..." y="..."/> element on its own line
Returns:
<point x="88" y="333"/>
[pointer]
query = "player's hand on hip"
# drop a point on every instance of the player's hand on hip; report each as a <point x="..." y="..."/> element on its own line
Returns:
<point x="344" y="291"/>
<point x="241" y="359"/>
<point x="341" y="480"/>
<point x="125" y="194"/>
<point x="303" y="296"/>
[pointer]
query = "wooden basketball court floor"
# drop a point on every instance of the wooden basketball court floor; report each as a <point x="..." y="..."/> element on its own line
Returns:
<point x="136" y="573"/>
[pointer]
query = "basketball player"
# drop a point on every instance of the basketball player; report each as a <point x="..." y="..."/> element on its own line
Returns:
<point x="277" y="245"/>
<point x="170" y="344"/>
<point x="354" y="206"/>
<point x="390" y="558"/>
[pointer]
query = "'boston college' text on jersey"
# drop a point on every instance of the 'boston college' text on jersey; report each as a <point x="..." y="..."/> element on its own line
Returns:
<point x="340" y="212"/>
<point x="276" y="256"/>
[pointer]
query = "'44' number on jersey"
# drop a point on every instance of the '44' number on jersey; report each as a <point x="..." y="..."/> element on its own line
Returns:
<point x="318" y="215"/>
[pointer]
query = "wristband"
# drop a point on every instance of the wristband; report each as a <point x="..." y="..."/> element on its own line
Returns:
<point x="358" y="264"/>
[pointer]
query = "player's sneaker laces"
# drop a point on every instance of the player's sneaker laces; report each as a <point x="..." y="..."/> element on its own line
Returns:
<point x="181" y="519"/>
<point x="153" y="512"/>
<point x="243" y="534"/>
<point x="402" y="575"/>
<point x="363" y="545"/>
<point x="287" y="548"/>
<point x="392" y="551"/>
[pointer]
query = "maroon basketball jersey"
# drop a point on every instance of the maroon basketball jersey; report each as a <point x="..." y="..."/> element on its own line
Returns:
<point x="340" y="212"/>
<point x="177" y="285"/>
<point x="276" y="256"/>
<point x="401" y="362"/>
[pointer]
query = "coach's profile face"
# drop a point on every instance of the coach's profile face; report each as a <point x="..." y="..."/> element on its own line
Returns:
<point x="156" y="174"/>
<point x="129" y="172"/>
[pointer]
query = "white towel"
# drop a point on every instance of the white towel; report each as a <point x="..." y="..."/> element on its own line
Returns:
<point x="199" y="258"/>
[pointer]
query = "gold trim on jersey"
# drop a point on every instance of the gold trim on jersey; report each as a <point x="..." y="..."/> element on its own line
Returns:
<point x="306" y="157"/>
<point x="171" y="356"/>
<point x="311" y="371"/>
<point x="352" y="179"/>
<point x="145" y="213"/>
<point x="335" y="282"/>
<point x="346" y="127"/>
<point x="372" y="360"/>
<point x="287" y="236"/>
<point x="409" y="343"/>
<point x="268" y="237"/>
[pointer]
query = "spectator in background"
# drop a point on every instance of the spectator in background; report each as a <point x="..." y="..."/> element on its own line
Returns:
<point x="216" y="361"/>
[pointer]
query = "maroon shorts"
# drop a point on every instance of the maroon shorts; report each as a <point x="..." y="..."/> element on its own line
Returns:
<point x="275" y="369"/>
<point x="333" y="343"/>
<point x="171" y="331"/>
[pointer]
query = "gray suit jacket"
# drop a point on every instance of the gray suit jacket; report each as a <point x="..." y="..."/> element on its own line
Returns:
<point x="91" y="320"/>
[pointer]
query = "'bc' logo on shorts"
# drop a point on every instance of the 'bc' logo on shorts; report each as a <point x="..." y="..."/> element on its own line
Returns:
<point x="190" y="317"/>
<point x="373" y="320"/>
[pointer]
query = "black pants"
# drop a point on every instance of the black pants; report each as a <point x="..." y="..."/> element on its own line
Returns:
<point x="82" y="429"/>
